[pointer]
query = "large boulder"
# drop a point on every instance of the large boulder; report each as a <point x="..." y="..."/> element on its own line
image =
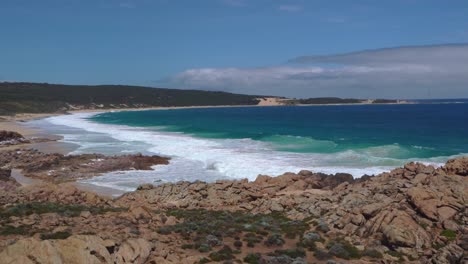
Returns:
<point x="133" y="251"/>
<point x="457" y="166"/>
<point x="450" y="254"/>
<point x="399" y="230"/>
<point x="10" y="136"/>
<point x="76" y="249"/>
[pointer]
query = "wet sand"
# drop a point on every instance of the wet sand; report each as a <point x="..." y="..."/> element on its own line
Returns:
<point x="46" y="147"/>
<point x="23" y="180"/>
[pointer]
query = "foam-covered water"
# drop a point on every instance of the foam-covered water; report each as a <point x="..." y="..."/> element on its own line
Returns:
<point x="201" y="154"/>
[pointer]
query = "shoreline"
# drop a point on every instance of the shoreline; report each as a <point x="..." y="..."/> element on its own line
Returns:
<point x="24" y="117"/>
<point x="59" y="147"/>
<point x="48" y="147"/>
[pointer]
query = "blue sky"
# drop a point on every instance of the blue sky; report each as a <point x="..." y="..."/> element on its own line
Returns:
<point x="155" y="42"/>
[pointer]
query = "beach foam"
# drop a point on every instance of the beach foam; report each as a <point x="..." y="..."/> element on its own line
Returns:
<point x="211" y="159"/>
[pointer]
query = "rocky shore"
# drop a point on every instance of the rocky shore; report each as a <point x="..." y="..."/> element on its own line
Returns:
<point x="413" y="214"/>
<point x="58" y="168"/>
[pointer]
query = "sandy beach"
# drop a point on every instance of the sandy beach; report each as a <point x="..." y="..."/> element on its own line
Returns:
<point x="18" y="124"/>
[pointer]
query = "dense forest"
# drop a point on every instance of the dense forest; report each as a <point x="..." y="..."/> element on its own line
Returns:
<point x="43" y="97"/>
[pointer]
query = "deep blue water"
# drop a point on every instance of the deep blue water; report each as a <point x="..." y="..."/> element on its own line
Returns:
<point x="402" y="131"/>
<point x="242" y="142"/>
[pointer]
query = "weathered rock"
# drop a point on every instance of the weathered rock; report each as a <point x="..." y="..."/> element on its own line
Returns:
<point x="401" y="211"/>
<point x="133" y="251"/>
<point x="79" y="249"/>
<point x="457" y="166"/>
<point x="11" y="138"/>
<point x="399" y="229"/>
<point x="450" y="254"/>
<point x="59" y="168"/>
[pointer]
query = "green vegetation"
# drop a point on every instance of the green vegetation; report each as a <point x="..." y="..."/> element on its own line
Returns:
<point x="187" y="246"/>
<point x="206" y="229"/>
<point x="203" y="248"/>
<point x="292" y="253"/>
<point x="223" y="254"/>
<point x="252" y="258"/>
<point x="322" y="254"/>
<point x="11" y="230"/>
<point x="43" y="97"/>
<point x="204" y="222"/>
<point x="57" y="235"/>
<point x="372" y="253"/>
<point x="274" y="240"/>
<point x="343" y="249"/>
<point x="449" y="234"/>
<point x="396" y="254"/>
<point x="203" y="261"/>
<point x="308" y="244"/>
<point x="20" y="210"/>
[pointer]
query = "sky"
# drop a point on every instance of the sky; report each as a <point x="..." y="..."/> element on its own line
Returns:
<point x="293" y="48"/>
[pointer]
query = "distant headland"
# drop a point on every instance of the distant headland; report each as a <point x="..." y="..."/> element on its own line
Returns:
<point x="21" y="97"/>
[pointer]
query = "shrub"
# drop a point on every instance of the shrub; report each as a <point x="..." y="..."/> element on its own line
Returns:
<point x="62" y="209"/>
<point x="11" y="230"/>
<point x="223" y="254"/>
<point x="57" y="235"/>
<point x="238" y="244"/>
<point x="203" y="261"/>
<point x="292" y="253"/>
<point x="274" y="240"/>
<point x="187" y="246"/>
<point x="309" y="244"/>
<point x="372" y="253"/>
<point x="204" y="248"/>
<point x="450" y="234"/>
<point x="322" y="254"/>
<point x="253" y="258"/>
<point x="343" y="249"/>
<point x="202" y="222"/>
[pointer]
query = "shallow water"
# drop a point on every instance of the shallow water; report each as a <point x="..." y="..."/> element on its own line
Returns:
<point x="242" y="142"/>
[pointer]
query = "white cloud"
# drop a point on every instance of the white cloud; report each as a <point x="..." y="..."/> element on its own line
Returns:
<point x="290" y="8"/>
<point x="405" y="72"/>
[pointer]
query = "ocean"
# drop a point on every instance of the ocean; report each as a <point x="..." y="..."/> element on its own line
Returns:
<point x="242" y="142"/>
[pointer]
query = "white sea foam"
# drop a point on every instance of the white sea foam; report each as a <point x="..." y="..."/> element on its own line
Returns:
<point x="212" y="159"/>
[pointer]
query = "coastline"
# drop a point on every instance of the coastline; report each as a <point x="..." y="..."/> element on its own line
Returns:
<point x="18" y="124"/>
<point x="424" y="204"/>
<point x="48" y="147"/>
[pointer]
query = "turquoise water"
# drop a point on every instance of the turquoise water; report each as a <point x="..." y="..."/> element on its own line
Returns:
<point x="242" y="142"/>
<point x="393" y="131"/>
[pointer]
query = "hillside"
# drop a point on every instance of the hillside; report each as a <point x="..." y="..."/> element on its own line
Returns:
<point x="43" y="97"/>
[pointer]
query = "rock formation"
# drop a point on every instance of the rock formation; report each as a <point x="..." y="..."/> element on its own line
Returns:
<point x="11" y="138"/>
<point x="413" y="214"/>
<point x="61" y="168"/>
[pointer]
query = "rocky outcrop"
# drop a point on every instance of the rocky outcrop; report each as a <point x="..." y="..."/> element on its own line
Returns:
<point x="62" y="193"/>
<point x="457" y="166"/>
<point x="62" y="168"/>
<point x="411" y="210"/>
<point x="11" y="138"/>
<point x="76" y="249"/>
<point x="7" y="183"/>
<point x="413" y="214"/>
